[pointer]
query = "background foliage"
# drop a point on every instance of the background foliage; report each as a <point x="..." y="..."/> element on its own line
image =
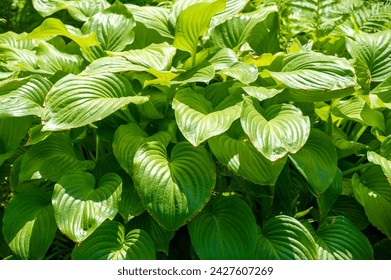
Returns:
<point x="195" y="129"/>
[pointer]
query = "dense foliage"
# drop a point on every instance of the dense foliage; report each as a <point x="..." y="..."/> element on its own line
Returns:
<point x="196" y="129"/>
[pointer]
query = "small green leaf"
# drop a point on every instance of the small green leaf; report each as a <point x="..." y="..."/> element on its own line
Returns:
<point x="224" y="230"/>
<point x="276" y="131"/>
<point x="48" y="7"/>
<point x="173" y="187"/>
<point x="109" y="242"/>
<point x="317" y="161"/>
<point x="243" y="72"/>
<point x="383" y="162"/>
<point x="285" y="238"/>
<point x="81" y="205"/>
<point x="29" y="226"/>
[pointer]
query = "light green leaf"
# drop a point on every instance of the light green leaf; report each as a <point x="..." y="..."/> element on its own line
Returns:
<point x="374" y="50"/>
<point x="52" y="60"/>
<point x="81" y="204"/>
<point x="384" y="163"/>
<point x="83" y="10"/>
<point x="276" y="131"/>
<point x="235" y="151"/>
<point x="28" y="225"/>
<point x="203" y="73"/>
<point x="128" y="138"/>
<point x="12" y="131"/>
<point x="17" y="40"/>
<point x="156" y="56"/>
<point x="14" y="59"/>
<point x="173" y="187"/>
<point x="51" y="158"/>
<point x="196" y="118"/>
<point x="338" y="239"/>
<point x="383" y="92"/>
<point x="317" y="161"/>
<point x="114" y="64"/>
<point x="109" y="242"/>
<point x="314" y="76"/>
<point x="48" y="7"/>
<point x="285" y="238"/>
<point x="130" y="204"/>
<point x="223" y="58"/>
<point x="113" y="27"/>
<point x="75" y="101"/>
<point x="193" y="22"/>
<point x="243" y="72"/>
<point x="373" y="192"/>
<point x="261" y="93"/>
<point x="225" y="230"/>
<point x="25" y="100"/>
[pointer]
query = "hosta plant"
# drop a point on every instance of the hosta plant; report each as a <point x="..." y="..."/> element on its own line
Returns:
<point x="197" y="129"/>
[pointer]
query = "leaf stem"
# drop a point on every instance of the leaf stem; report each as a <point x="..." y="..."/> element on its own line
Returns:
<point x="356" y="168"/>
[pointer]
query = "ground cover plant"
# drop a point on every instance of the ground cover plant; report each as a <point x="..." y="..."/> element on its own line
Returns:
<point x="196" y="129"/>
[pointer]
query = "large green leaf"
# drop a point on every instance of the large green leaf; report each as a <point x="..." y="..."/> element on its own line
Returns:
<point x="128" y="138"/>
<point x="51" y="158"/>
<point x="113" y="27"/>
<point x="173" y="187"/>
<point x="285" y="238"/>
<point x="243" y="72"/>
<point x="109" y="242"/>
<point x="29" y="226"/>
<point x="196" y="118"/>
<point x="234" y="150"/>
<point x="317" y="161"/>
<point x="314" y="76"/>
<point x="372" y="190"/>
<point x="82" y="10"/>
<point x="193" y="22"/>
<point x="113" y="64"/>
<point x="76" y="101"/>
<point x="48" y="7"/>
<point x="374" y="50"/>
<point x="225" y="229"/>
<point x="384" y="163"/>
<point x="14" y="59"/>
<point x="25" y="100"/>
<point x="12" y="131"/>
<point x="81" y="204"/>
<point x="275" y="131"/>
<point x="338" y="239"/>
<point x="156" y="56"/>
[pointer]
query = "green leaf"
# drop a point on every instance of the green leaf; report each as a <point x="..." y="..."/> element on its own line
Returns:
<point x="235" y="151"/>
<point x="243" y="72"/>
<point x="14" y="59"/>
<point x="196" y="118"/>
<point x="81" y="204"/>
<point x="173" y="187"/>
<point x="203" y="73"/>
<point x="314" y="76"/>
<point x="374" y="50"/>
<point x="224" y="230"/>
<point x="156" y="56"/>
<point x="111" y="65"/>
<point x="114" y="27"/>
<point x="52" y="60"/>
<point x="261" y="93"/>
<point x="384" y="163"/>
<point x="75" y="101"/>
<point x="109" y="242"/>
<point x="338" y="239"/>
<point x="51" y="158"/>
<point x="12" y="131"/>
<point x="372" y="190"/>
<point x="276" y="131"/>
<point x="193" y="22"/>
<point x="327" y="198"/>
<point x="348" y="207"/>
<point x="83" y="10"/>
<point x="285" y="238"/>
<point x="48" y="7"/>
<point x="128" y="138"/>
<point x="25" y="100"/>
<point x="130" y="204"/>
<point x="317" y="161"/>
<point x="383" y="90"/>
<point x="28" y="225"/>
<point x="159" y="235"/>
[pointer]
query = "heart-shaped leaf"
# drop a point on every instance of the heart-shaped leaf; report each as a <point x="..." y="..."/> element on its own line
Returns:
<point x="285" y="238"/>
<point x="317" y="161"/>
<point x="81" y="205"/>
<point x="76" y="101"/>
<point x="338" y="239"/>
<point x="373" y="192"/>
<point x="196" y="118"/>
<point x="276" y="131"/>
<point x="29" y="226"/>
<point x="173" y="187"/>
<point x="225" y="229"/>
<point x="235" y="151"/>
<point x="109" y="242"/>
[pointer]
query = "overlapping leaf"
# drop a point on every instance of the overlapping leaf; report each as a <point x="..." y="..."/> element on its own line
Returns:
<point x="76" y="101"/>
<point x="225" y="229"/>
<point x="173" y="187"/>
<point x="81" y="204"/>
